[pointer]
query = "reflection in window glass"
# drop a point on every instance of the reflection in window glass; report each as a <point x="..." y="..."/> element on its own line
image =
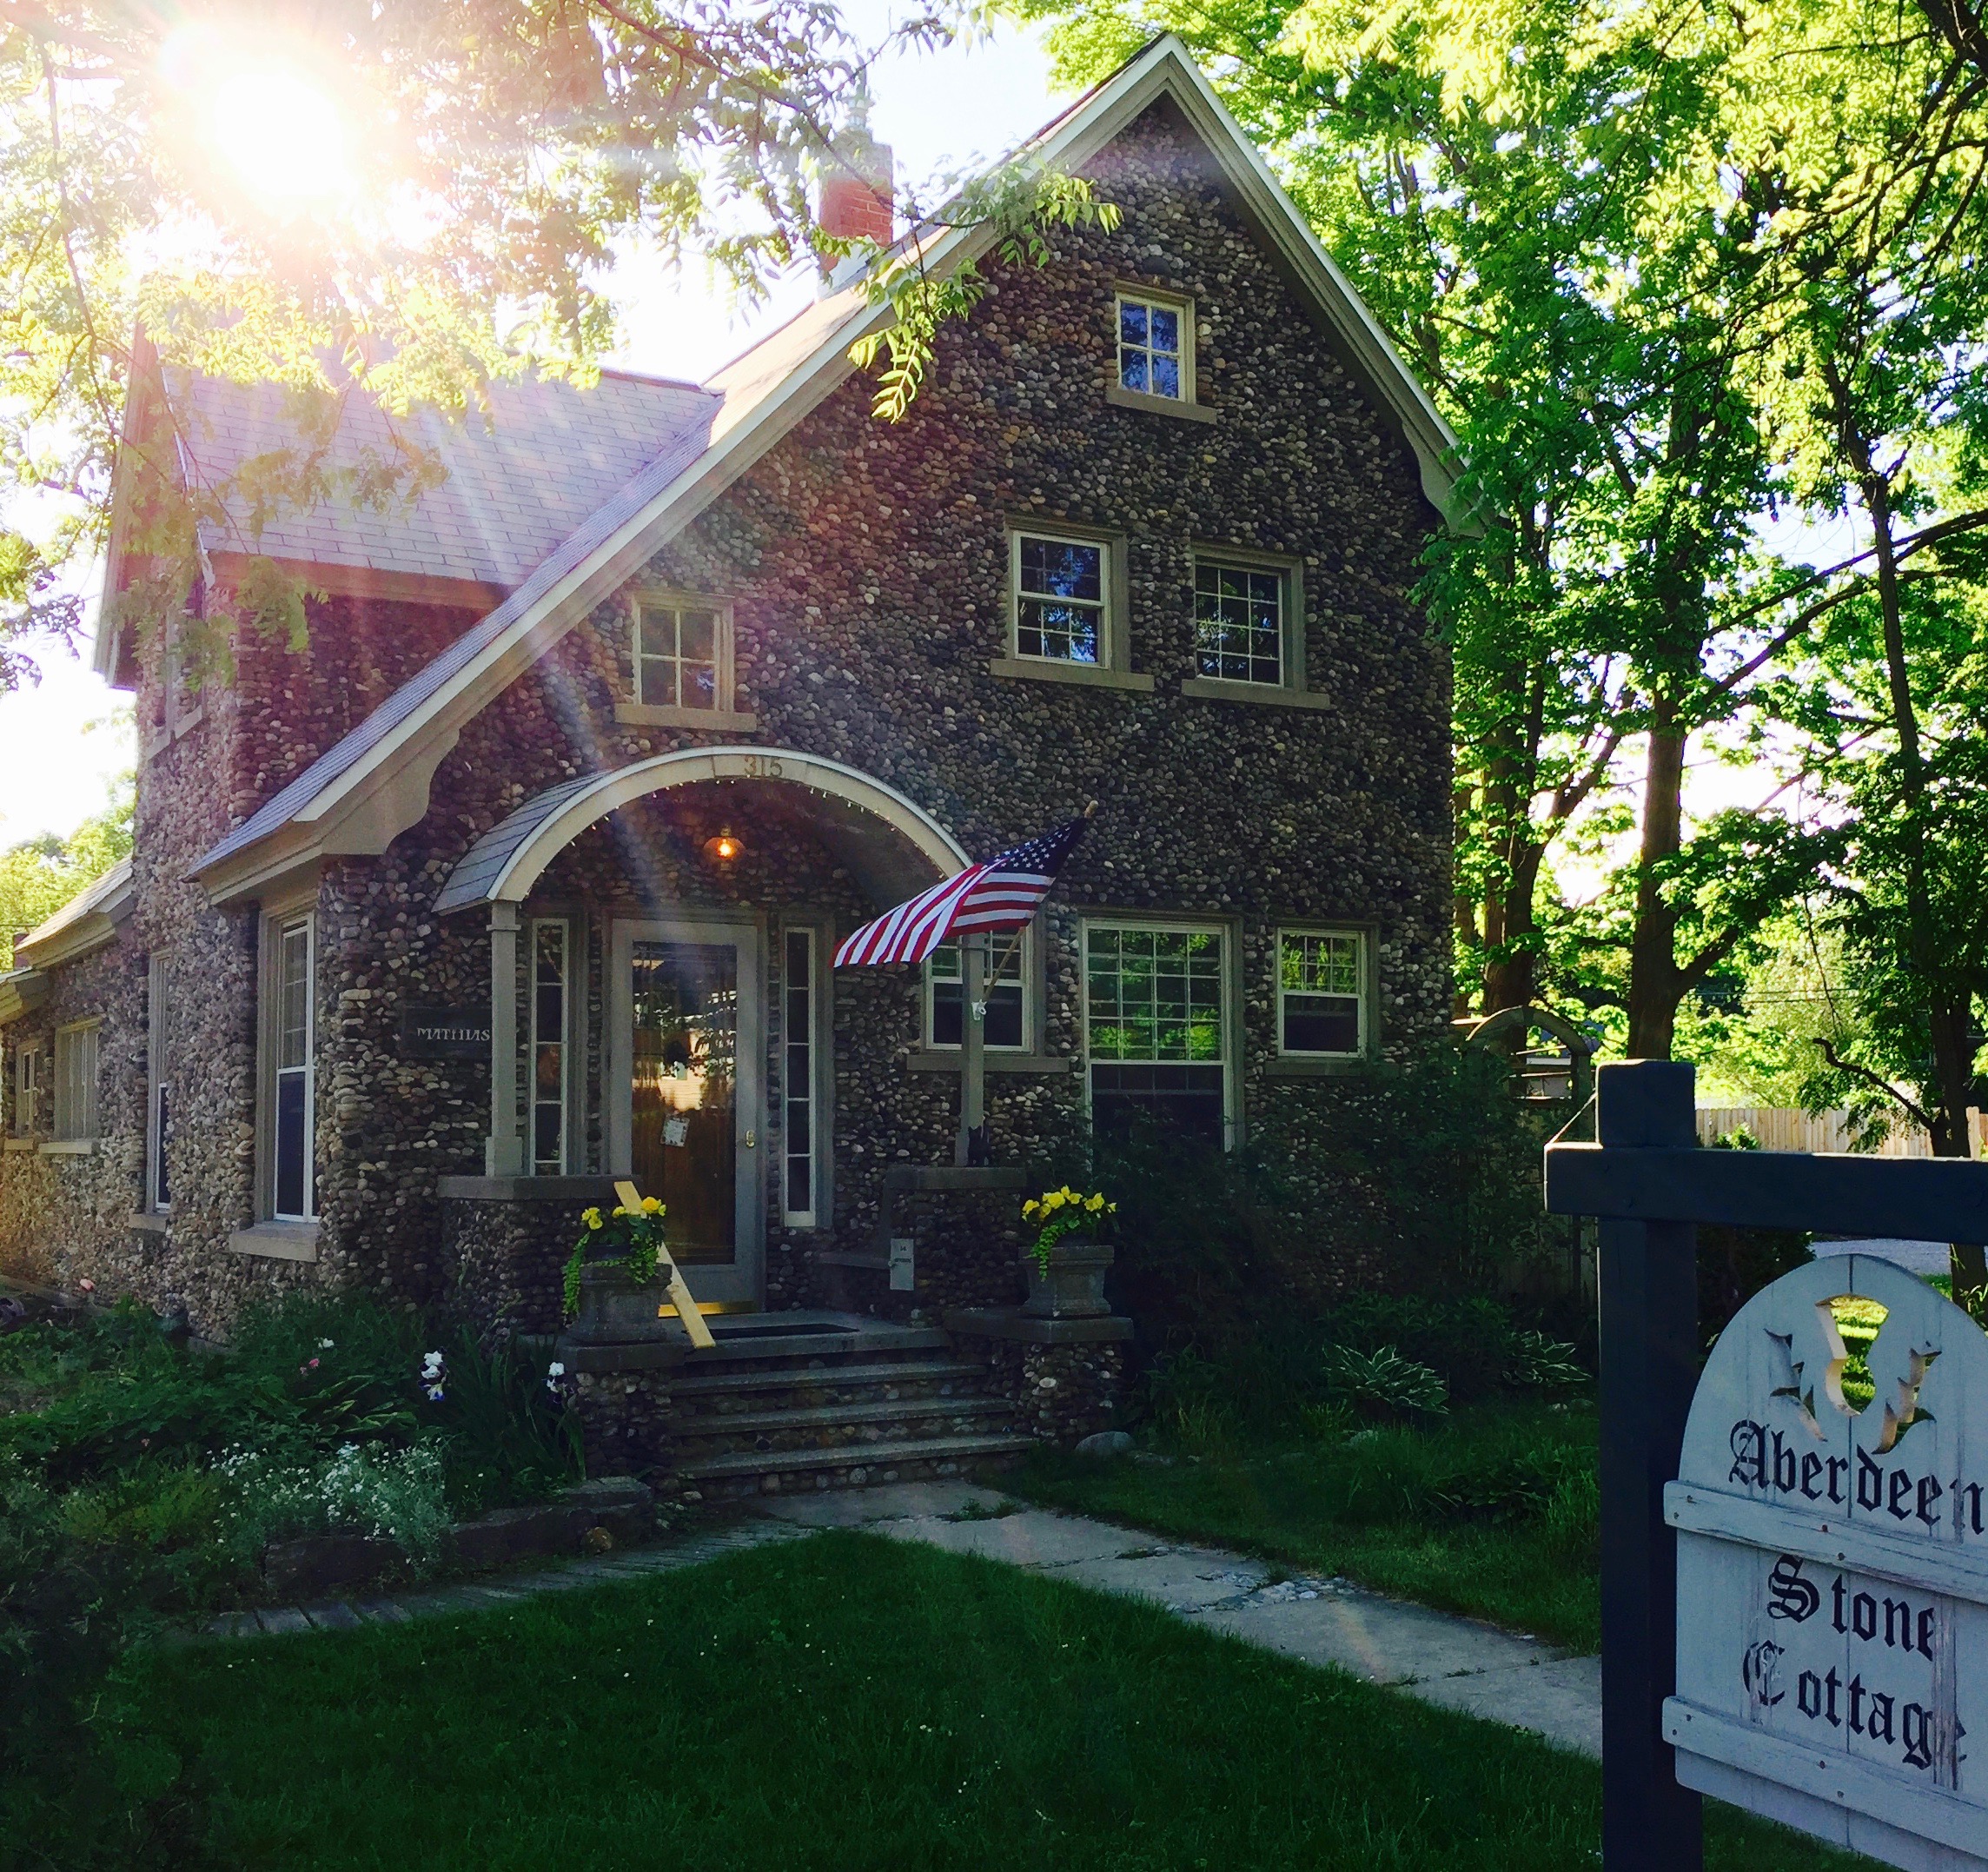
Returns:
<point x="797" y="1035"/>
<point x="1059" y="601"/>
<point x="548" y="1048"/>
<point x="1321" y="991"/>
<point x="292" y="1192"/>
<point x="1155" y="1032"/>
<point x="1149" y="348"/>
<point x="1238" y="623"/>
<point x="946" y="1005"/>
<point x="676" y="656"/>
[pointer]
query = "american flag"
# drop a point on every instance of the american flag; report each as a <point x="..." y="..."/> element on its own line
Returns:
<point x="1000" y="895"/>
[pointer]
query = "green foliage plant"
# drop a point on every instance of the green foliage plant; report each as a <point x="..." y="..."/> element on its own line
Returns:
<point x="631" y="1239"/>
<point x="1382" y="1381"/>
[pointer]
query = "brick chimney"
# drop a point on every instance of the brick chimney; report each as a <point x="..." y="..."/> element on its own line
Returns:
<point x="858" y="189"/>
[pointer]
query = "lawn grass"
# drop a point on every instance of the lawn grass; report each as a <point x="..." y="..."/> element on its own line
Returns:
<point x="847" y="1703"/>
<point x="1390" y="1508"/>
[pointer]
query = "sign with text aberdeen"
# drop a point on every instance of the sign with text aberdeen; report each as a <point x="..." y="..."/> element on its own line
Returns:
<point x="1832" y="1572"/>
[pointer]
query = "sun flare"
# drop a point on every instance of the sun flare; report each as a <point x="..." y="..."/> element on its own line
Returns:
<point x="283" y="135"/>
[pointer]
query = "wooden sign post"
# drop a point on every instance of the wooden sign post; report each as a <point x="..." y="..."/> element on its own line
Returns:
<point x="631" y="1198"/>
<point x="1691" y="1698"/>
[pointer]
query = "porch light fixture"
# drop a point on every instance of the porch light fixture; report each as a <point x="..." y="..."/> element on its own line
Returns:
<point x="723" y="847"/>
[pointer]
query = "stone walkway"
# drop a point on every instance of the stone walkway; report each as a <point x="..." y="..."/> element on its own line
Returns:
<point x="1440" y="1659"/>
<point x="1453" y="1662"/>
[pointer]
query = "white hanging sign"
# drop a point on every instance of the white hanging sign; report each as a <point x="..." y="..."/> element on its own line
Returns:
<point x="1832" y="1572"/>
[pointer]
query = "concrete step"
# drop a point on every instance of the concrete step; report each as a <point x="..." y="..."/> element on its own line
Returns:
<point x="696" y="1384"/>
<point x="773" y="1337"/>
<point x="867" y="1461"/>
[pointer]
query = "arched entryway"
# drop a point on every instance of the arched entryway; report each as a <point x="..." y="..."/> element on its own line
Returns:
<point x="707" y="1011"/>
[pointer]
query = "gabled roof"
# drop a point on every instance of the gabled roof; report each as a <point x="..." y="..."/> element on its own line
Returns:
<point x="87" y="921"/>
<point x="373" y="784"/>
<point x="519" y="479"/>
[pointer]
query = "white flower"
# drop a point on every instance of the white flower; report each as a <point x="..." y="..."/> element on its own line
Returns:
<point x="325" y="1345"/>
<point x="431" y="1362"/>
<point x="555" y="1370"/>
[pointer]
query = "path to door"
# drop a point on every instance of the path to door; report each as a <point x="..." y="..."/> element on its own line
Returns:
<point x="1455" y="1661"/>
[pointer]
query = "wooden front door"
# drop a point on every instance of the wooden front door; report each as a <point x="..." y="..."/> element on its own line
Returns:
<point x="687" y="1092"/>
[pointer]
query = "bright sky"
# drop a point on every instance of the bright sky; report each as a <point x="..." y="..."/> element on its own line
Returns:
<point x="939" y="112"/>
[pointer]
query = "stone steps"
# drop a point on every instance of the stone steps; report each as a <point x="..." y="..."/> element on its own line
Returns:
<point x="775" y="1433"/>
<point x="846" y="1465"/>
<point x="695" y="1384"/>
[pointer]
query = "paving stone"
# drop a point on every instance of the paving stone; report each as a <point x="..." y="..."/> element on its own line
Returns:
<point x="276" y="1619"/>
<point x="337" y="1617"/>
<point x="1560" y="1699"/>
<point x="1381" y="1640"/>
<point x="383" y="1611"/>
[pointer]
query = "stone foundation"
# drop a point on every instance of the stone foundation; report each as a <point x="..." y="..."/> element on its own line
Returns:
<point x="1066" y="1377"/>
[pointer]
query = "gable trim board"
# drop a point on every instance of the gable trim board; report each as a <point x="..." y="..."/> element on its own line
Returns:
<point x="373" y="785"/>
<point x="85" y="923"/>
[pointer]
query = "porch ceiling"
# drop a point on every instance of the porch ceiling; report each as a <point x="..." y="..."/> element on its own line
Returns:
<point x="891" y="847"/>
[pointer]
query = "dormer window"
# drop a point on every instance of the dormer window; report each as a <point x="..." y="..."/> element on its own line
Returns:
<point x="677" y="654"/>
<point x="1155" y="358"/>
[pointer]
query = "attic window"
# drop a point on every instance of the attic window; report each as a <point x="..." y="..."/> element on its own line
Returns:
<point x="1156" y="356"/>
<point x="680" y="654"/>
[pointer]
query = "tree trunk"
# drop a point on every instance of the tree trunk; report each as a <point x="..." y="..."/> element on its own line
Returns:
<point x="1656" y="983"/>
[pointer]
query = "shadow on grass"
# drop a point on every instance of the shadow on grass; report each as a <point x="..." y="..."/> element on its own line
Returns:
<point x="852" y="1703"/>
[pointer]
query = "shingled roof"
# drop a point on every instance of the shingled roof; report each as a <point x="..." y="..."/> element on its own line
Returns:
<point x="519" y="478"/>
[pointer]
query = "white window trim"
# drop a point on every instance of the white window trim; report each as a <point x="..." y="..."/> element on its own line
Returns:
<point x="158" y="1086"/>
<point x="1230" y="933"/>
<point x="996" y="947"/>
<point x="269" y="1037"/>
<point x="640" y="711"/>
<point x="1291" y="603"/>
<point x="1365" y="938"/>
<point x="564" y="1039"/>
<point x="67" y="1127"/>
<point x="1147" y="295"/>
<point x="27" y="1086"/>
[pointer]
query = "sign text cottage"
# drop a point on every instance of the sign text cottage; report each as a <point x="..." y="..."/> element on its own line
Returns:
<point x="1833" y="1571"/>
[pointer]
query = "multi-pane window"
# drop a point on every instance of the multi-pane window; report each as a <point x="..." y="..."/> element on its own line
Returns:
<point x="550" y="1047"/>
<point x="27" y="1090"/>
<point x="1322" y="992"/>
<point x="945" y="996"/>
<point x="293" y="1033"/>
<point x="1059" y="598"/>
<point x="677" y="651"/>
<point x="75" y="1082"/>
<point x="1238" y="622"/>
<point x="158" y="1102"/>
<point x="797" y="1077"/>
<point x="1156" y="1027"/>
<point x="1150" y="360"/>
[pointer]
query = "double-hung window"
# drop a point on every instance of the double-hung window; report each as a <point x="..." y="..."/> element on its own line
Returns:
<point x="29" y="1069"/>
<point x="1322" y="993"/>
<point x="1239" y="622"/>
<point x="1155" y="354"/>
<point x="1158" y="1034"/>
<point x="1061" y="592"/>
<point x="158" y="1096"/>
<point x="1007" y="1028"/>
<point x="293" y="1035"/>
<point x="75" y="1082"/>
<point x="800" y="1128"/>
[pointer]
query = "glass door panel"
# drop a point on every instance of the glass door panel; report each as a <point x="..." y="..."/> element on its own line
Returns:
<point x="684" y="1091"/>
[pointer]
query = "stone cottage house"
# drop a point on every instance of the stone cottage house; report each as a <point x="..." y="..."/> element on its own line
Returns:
<point x="526" y="871"/>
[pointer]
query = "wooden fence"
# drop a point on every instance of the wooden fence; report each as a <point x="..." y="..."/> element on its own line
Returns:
<point x="1778" y="1129"/>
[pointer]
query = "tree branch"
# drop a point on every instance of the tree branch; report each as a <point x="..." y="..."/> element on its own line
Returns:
<point x="1831" y="1058"/>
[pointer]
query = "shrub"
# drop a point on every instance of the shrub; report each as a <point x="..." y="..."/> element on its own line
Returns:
<point x="1383" y="1382"/>
<point x="390" y="1494"/>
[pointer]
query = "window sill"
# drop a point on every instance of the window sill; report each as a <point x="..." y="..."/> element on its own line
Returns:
<point x="1120" y="398"/>
<point x="1040" y="669"/>
<point x="1268" y="695"/>
<point x="20" y="1143"/>
<point x="276" y="1241"/>
<point x="149" y="1222"/>
<point x="947" y="1059"/>
<point x="69" y="1147"/>
<point x="668" y="715"/>
<point x="1323" y="1066"/>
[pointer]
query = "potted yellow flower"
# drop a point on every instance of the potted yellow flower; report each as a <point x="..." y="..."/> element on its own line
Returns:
<point x="610" y="1275"/>
<point x="1066" y="1264"/>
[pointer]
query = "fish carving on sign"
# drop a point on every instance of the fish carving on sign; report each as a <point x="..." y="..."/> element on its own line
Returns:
<point x="1834" y="1559"/>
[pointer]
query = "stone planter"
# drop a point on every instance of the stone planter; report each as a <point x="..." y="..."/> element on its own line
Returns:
<point x="614" y="1310"/>
<point x="1073" y="1287"/>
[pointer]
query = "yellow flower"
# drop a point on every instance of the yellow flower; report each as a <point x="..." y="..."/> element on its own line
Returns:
<point x="1030" y="1207"/>
<point x="591" y="1218"/>
<point x="1094" y="1203"/>
<point x="620" y="1210"/>
<point x="652" y="1205"/>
